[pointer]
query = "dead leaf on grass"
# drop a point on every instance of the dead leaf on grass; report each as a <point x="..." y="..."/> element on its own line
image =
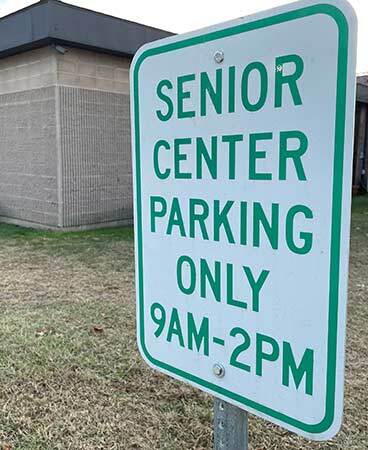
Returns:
<point x="6" y="446"/>
<point x="43" y="332"/>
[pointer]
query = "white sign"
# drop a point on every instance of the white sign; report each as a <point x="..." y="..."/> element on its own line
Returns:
<point x="242" y="148"/>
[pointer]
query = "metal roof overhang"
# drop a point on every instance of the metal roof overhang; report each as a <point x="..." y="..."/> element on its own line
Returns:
<point x="54" y="22"/>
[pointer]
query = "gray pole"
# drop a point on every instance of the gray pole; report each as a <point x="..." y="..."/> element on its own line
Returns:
<point x="230" y="427"/>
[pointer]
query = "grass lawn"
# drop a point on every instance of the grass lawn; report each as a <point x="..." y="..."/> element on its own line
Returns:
<point x="70" y="373"/>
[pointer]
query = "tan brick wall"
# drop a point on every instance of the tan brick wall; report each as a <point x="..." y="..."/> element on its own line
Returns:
<point x="96" y="185"/>
<point x="90" y="70"/>
<point x="76" y="68"/>
<point x="30" y="70"/>
<point x="28" y="157"/>
<point x="65" y="148"/>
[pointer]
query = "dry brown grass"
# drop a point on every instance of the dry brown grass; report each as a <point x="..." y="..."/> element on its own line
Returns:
<point x="70" y="373"/>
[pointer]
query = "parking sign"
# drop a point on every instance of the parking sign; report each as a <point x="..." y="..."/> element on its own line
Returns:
<point x="242" y="150"/>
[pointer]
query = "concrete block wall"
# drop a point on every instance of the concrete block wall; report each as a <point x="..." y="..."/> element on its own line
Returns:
<point x="30" y="70"/>
<point x="96" y="186"/>
<point x="90" y="70"/>
<point x="65" y="139"/>
<point x="95" y="153"/>
<point x="28" y="160"/>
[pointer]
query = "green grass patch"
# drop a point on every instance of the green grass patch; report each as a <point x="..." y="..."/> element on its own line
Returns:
<point x="16" y="232"/>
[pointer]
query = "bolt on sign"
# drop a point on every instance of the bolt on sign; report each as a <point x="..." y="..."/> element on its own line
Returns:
<point x="242" y="154"/>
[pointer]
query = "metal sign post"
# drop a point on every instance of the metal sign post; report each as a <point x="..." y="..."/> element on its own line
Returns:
<point x="230" y="426"/>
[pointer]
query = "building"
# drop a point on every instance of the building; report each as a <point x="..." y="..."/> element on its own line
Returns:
<point x="64" y="116"/>
<point x="360" y="164"/>
<point x="65" y="157"/>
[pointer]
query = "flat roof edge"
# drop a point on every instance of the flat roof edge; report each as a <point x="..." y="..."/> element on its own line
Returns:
<point x="54" y="21"/>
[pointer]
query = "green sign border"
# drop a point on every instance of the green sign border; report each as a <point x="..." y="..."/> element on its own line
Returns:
<point x="343" y="29"/>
